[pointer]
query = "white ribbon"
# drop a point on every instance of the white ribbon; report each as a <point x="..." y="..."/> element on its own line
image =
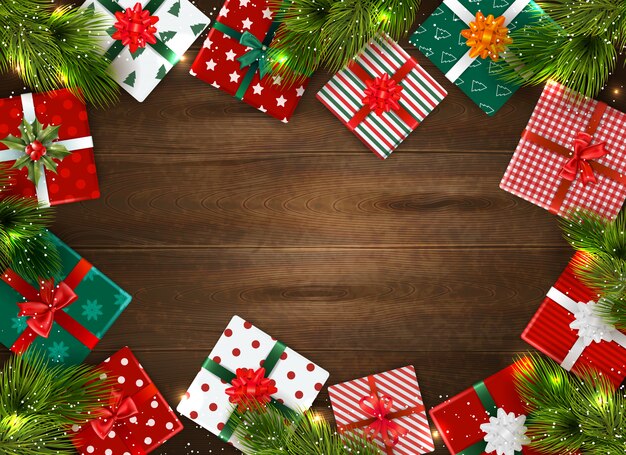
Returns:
<point x="463" y="13"/>
<point x="505" y="433"/>
<point x="41" y="188"/>
<point x="590" y="327"/>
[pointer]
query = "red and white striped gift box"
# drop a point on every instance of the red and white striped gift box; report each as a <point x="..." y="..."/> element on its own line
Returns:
<point x="399" y="390"/>
<point x="578" y="339"/>
<point x="382" y="132"/>
<point x="549" y="145"/>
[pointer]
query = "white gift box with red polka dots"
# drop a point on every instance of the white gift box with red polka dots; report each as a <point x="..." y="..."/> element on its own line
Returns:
<point x="143" y="419"/>
<point x="297" y="380"/>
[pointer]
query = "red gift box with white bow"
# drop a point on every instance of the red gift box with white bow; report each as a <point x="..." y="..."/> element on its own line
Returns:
<point x="135" y="421"/>
<point x="568" y="329"/>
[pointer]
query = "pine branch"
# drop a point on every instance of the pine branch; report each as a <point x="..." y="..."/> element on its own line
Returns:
<point x="570" y="414"/>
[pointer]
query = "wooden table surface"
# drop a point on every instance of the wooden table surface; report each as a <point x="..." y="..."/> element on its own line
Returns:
<point x="210" y="208"/>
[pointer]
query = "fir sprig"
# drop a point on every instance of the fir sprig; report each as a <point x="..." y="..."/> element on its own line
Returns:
<point x="328" y="33"/>
<point x="265" y="431"/>
<point x="52" y="48"/>
<point x="24" y="244"/>
<point x="40" y="402"/>
<point x="570" y="414"/>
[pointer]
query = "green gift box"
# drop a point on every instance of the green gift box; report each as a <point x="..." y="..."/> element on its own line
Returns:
<point x="439" y="38"/>
<point x="64" y="316"/>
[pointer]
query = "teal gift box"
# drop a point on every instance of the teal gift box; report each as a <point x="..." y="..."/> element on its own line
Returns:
<point x="64" y="316"/>
<point x="439" y="38"/>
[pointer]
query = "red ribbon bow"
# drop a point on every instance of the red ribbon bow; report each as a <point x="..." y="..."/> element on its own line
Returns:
<point x="583" y="151"/>
<point x="251" y="387"/>
<point x="135" y="27"/>
<point x="379" y="408"/>
<point x="121" y="408"/>
<point x="52" y="299"/>
<point x="382" y="94"/>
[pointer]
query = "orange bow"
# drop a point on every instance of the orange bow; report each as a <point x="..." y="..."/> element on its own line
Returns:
<point x="120" y="408"/>
<point x="41" y="312"/>
<point x="583" y="151"/>
<point x="487" y="37"/>
<point x="380" y="408"/>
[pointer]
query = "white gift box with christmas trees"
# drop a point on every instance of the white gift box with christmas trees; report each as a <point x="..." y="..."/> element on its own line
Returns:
<point x="146" y="39"/>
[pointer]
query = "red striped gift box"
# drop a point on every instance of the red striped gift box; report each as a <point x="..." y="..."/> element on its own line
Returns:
<point x="567" y="329"/>
<point x="403" y="428"/>
<point x="382" y="131"/>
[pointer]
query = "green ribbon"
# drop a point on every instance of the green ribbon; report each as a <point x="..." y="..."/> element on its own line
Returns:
<point x="257" y="54"/>
<point x="270" y="362"/>
<point x="492" y="409"/>
<point x="160" y="47"/>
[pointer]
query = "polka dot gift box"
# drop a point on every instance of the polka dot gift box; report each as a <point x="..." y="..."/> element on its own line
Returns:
<point x="246" y="355"/>
<point x="487" y="418"/>
<point x="135" y="421"/>
<point x="75" y="178"/>
<point x="65" y="316"/>
<point x="387" y="408"/>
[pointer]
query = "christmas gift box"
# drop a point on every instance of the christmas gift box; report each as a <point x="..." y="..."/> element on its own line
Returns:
<point x="385" y="408"/>
<point x="248" y="366"/>
<point x="136" y="420"/>
<point x="64" y="316"/>
<point x="233" y="58"/>
<point x="572" y="155"/>
<point x="568" y="329"/>
<point x="45" y="138"/>
<point x="445" y="38"/>
<point x="382" y="95"/>
<point x="487" y="418"/>
<point x="146" y="39"/>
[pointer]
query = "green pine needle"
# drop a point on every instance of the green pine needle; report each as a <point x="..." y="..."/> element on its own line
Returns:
<point x="56" y="48"/>
<point x="24" y="243"/>
<point x="265" y="431"/>
<point x="570" y="414"/>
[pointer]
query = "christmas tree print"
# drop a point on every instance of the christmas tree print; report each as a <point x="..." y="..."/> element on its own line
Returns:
<point x="92" y="310"/>
<point x="161" y="73"/>
<point x="175" y="9"/>
<point x="58" y="351"/>
<point x="130" y="79"/>
<point x="137" y="53"/>
<point x="446" y="57"/>
<point x="440" y="33"/>
<point x="478" y="86"/>
<point x="502" y="91"/>
<point x="166" y="36"/>
<point x="197" y="28"/>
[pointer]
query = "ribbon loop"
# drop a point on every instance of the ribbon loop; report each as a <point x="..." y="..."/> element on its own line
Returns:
<point x="135" y="27"/>
<point x="256" y="54"/>
<point x="42" y="312"/>
<point x="120" y="408"/>
<point x="382" y="94"/>
<point x="250" y="388"/>
<point x="379" y="408"/>
<point x="584" y="151"/>
<point x="487" y="36"/>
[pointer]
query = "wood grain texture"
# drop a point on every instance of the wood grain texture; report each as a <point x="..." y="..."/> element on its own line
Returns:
<point x="210" y="208"/>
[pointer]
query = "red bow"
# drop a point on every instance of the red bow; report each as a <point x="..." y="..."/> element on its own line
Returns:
<point x="41" y="313"/>
<point x="251" y="387"/>
<point x="121" y="408"/>
<point x="382" y="94"/>
<point x="583" y="151"/>
<point x="379" y="408"/>
<point x="135" y="27"/>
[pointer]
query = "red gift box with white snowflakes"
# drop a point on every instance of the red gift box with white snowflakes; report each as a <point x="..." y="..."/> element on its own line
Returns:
<point x="572" y="155"/>
<point x="387" y="408"/>
<point x="568" y="329"/>
<point x="487" y="418"/>
<point x="248" y="365"/>
<point x="243" y="31"/>
<point x="135" y="421"/>
<point x="75" y="178"/>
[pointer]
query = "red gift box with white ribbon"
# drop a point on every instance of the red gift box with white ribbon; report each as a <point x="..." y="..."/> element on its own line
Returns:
<point x="567" y="328"/>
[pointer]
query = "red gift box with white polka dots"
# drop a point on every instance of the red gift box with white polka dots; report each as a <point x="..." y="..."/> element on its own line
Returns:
<point x="217" y="62"/>
<point x="76" y="178"/>
<point x="151" y="423"/>
<point x="297" y="379"/>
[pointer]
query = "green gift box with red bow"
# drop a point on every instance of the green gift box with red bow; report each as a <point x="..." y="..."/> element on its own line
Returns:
<point x="63" y="316"/>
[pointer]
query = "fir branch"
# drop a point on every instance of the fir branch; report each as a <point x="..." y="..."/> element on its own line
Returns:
<point x="569" y="414"/>
<point x="24" y="244"/>
<point x="39" y="402"/>
<point x="265" y="431"/>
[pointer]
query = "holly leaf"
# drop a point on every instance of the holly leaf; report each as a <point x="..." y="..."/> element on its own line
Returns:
<point x="37" y="128"/>
<point x="27" y="131"/>
<point x="34" y="172"/>
<point x="49" y="163"/>
<point x="21" y="162"/>
<point x="56" y="150"/>
<point x="14" y="143"/>
<point x="49" y="134"/>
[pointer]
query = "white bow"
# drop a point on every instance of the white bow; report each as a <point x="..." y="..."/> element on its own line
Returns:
<point x="505" y="434"/>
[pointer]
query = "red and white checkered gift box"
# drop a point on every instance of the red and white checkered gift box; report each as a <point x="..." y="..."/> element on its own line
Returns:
<point x="572" y="155"/>
<point x="403" y="429"/>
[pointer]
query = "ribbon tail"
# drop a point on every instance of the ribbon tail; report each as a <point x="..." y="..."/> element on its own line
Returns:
<point x="41" y="325"/>
<point x="587" y="173"/>
<point x="568" y="172"/>
<point x="102" y="429"/>
<point x="594" y="151"/>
